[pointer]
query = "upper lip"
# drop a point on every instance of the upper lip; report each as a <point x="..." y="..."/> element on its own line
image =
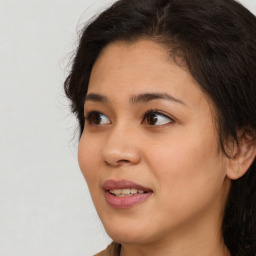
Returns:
<point x="122" y="184"/>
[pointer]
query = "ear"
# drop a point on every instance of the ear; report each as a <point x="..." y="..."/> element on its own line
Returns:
<point x="245" y="153"/>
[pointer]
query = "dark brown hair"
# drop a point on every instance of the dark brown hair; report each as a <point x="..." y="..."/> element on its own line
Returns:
<point x="217" y="42"/>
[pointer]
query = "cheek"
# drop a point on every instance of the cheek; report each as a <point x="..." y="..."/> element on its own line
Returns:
<point x="189" y="162"/>
<point x="189" y="179"/>
<point x="88" y="158"/>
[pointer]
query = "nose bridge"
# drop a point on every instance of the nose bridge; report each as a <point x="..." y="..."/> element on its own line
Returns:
<point x="121" y="146"/>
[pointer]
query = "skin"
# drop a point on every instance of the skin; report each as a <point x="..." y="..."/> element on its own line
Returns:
<point x="178" y="157"/>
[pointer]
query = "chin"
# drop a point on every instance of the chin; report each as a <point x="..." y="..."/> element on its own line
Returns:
<point x="128" y="238"/>
<point x="126" y="232"/>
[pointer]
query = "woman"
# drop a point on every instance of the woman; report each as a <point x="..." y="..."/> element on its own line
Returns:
<point x="165" y="93"/>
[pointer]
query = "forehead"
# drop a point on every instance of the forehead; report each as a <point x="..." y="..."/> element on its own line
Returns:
<point x="130" y="61"/>
<point x="128" y="68"/>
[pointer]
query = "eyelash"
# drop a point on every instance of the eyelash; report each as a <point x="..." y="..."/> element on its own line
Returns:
<point x="157" y="112"/>
<point x="88" y="117"/>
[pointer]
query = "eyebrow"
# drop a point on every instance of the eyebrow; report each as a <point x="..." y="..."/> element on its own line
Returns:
<point x="146" y="97"/>
<point x="136" y="99"/>
<point x="96" y="97"/>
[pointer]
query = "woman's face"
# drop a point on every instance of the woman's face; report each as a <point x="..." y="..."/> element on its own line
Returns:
<point x="149" y="150"/>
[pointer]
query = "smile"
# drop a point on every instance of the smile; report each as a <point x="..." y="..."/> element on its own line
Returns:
<point x="125" y="194"/>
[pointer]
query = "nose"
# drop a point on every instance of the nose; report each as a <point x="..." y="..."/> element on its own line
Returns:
<point x="121" y="147"/>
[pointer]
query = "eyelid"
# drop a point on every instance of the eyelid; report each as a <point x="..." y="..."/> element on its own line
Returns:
<point x="158" y="112"/>
<point x="88" y="116"/>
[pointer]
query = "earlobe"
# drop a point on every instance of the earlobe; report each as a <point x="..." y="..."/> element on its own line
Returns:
<point x="244" y="155"/>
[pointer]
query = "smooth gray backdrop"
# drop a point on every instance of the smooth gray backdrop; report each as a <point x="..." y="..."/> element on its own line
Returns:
<point x="45" y="207"/>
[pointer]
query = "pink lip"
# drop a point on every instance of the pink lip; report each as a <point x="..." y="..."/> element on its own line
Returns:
<point x="125" y="201"/>
<point x="119" y="184"/>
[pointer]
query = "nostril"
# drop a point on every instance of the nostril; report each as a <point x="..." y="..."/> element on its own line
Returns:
<point x="107" y="163"/>
<point x="123" y="161"/>
<point x="117" y="163"/>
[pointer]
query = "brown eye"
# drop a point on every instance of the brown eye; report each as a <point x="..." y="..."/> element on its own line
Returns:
<point x="151" y="119"/>
<point x="97" y="118"/>
<point x="155" y="118"/>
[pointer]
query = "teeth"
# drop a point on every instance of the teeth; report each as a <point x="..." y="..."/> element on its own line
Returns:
<point x="116" y="191"/>
<point x="125" y="192"/>
<point x="133" y="191"/>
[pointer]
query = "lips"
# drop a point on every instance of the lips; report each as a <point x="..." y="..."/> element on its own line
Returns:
<point x="122" y="184"/>
<point x="124" y="193"/>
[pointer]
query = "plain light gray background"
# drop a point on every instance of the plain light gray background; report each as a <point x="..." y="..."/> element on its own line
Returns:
<point x="45" y="207"/>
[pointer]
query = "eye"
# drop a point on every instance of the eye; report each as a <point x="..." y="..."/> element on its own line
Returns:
<point x="156" y="118"/>
<point x="97" y="118"/>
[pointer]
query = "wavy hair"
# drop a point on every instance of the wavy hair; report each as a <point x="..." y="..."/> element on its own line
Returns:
<point x="217" y="42"/>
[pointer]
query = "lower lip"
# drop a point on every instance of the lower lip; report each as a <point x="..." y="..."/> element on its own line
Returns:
<point x="125" y="201"/>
